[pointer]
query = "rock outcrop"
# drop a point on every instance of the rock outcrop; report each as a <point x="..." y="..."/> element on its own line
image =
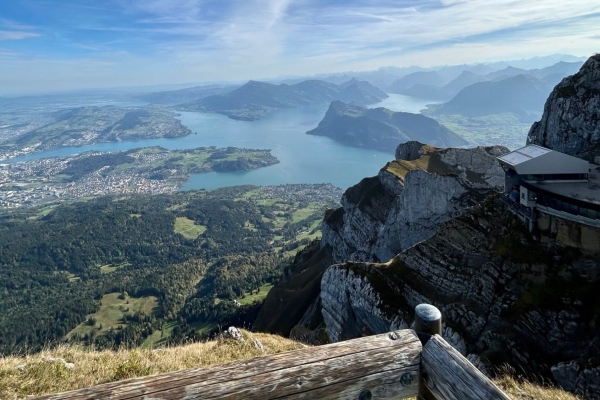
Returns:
<point x="409" y="199"/>
<point x="578" y="377"/>
<point x="504" y="296"/>
<point x="571" y="120"/>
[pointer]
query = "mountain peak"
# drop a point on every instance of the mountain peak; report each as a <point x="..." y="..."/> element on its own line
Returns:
<point x="571" y="120"/>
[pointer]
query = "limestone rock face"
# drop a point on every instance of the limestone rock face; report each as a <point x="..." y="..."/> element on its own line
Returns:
<point x="571" y="120"/>
<point x="504" y="296"/>
<point x="577" y="378"/>
<point x="409" y="198"/>
<point x="354" y="308"/>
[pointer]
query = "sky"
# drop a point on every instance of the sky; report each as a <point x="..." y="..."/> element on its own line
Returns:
<point x="55" y="45"/>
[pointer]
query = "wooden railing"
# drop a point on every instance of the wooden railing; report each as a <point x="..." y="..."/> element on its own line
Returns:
<point x="394" y="365"/>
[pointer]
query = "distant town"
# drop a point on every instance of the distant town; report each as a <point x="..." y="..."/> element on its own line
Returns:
<point x="151" y="170"/>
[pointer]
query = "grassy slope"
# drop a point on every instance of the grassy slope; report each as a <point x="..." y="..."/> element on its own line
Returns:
<point x="112" y="311"/>
<point x="260" y="296"/>
<point x="39" y="374"/>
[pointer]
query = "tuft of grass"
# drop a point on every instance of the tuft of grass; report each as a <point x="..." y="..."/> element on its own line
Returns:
<point x="521" y="389"/>
<point x="42" y="373"/>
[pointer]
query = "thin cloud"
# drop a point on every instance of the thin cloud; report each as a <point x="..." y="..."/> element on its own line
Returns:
<point x="12" y="30"/>
<point x="13" y="25"/>
<point x="16" y="35"/>
<point x="202" y="40"/>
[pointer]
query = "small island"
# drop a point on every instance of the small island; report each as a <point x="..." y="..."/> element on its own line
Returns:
<point x="150" y="170"/>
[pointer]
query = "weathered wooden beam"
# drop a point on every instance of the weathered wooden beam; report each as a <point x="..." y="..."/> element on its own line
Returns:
<point x="375" y="367"/>
<point x="450" y="376"/>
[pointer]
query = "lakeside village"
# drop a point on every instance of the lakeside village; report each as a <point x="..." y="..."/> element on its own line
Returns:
<point x="28" y="184"/>
<point x="37" y="182"/>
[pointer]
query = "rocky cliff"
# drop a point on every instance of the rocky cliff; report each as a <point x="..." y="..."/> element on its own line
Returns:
<point x="571" y="119"/>
<point x="504" y="296"/>
<point x="409" y="199"/>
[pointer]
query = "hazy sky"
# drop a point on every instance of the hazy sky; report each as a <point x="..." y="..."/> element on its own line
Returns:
<point x="50" y="45"/>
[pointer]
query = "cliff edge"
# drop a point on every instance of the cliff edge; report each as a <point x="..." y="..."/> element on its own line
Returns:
<point x="409" y="199"/>
<point x="505" y="296"/>
<point x="571" y="120"/>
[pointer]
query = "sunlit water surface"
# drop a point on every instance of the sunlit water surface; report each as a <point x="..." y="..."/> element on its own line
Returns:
<point x="303" y="158"/>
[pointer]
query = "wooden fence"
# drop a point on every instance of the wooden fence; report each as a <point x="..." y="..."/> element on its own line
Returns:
<point x="395" y="365"/>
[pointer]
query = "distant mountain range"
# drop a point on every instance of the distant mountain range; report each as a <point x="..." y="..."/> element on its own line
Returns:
<point x="173" y="97"/>
<point x="381" y="129"/>
<point x="385" y="76"/>
<point x="522" y="95"/>
<point x="436" y="85"/>
<point x="255" y="99"/>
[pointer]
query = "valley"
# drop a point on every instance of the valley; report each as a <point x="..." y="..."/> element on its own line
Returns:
<point x="115" y="271"/>
<point x="502" y="129"/>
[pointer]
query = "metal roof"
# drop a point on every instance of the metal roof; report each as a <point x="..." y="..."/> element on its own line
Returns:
<point x="537" y="160"/>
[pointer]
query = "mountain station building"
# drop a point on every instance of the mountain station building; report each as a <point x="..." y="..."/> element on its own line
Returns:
<point x="540" y="180"/>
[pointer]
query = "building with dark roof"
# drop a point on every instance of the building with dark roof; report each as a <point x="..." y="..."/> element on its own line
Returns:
<point x="543" y="180"/>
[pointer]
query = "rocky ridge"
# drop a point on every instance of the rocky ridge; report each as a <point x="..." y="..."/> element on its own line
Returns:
<point x="408" y="200"/>
<point x="571" y="119"/>
<point x="504" y="296"/>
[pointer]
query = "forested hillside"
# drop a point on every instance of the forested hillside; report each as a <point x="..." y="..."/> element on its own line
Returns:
<point x="148" y="269"/>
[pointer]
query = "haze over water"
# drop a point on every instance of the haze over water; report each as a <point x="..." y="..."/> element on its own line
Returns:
<point x="303" y="158"/>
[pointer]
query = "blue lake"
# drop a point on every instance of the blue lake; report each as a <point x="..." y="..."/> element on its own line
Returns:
<point x="303" y="158"/>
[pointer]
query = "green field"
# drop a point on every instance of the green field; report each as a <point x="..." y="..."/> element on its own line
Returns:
<point x="260" y="296"/>
<point x="111" y="313"/>
<point x="305" y="212"/>
<point x="503" y="129"/>
<point x="204" y="326"/>
<point x="188" y="228"/>
<point x="42" y="212"/>
<point x="159" y="338"/>
<point x="107" y="269"/>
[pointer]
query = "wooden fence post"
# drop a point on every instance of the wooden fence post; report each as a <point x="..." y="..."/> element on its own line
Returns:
<point x="428" y="322"/>
<point x="445" y="373"/>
